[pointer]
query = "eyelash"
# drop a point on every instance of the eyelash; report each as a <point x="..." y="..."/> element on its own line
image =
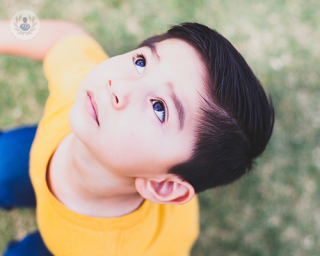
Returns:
<point x="140" y="55"/>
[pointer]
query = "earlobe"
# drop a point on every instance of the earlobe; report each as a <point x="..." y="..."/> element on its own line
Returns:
<point x="166" y="190"/>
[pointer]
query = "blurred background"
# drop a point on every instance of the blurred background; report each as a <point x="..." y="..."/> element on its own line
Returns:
<point x="275" y="210"/>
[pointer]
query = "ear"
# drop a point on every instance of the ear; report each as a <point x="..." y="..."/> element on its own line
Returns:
<point x="166" y="190"/>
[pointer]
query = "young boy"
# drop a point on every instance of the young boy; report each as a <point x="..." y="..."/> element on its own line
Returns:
<point x="125" y="143"/>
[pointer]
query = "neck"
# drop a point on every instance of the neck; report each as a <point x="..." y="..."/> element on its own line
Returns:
<point x="95" y="190"/>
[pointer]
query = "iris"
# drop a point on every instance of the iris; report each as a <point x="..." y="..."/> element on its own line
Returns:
<point x="159" y="110"/>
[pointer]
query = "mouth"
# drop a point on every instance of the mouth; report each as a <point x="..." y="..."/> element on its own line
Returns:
<point x="92" y="106"/>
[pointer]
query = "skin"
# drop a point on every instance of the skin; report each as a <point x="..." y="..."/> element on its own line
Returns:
<point x="107" y="168"/>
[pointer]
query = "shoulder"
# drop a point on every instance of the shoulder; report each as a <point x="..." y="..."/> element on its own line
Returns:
<point x="70" y="55"/>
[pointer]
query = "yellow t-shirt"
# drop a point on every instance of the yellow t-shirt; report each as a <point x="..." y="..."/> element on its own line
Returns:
<point x="152" y="230"/>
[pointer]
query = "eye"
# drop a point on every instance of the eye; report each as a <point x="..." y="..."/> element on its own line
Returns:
<point x="159" y="109"/>
<point x="140" y="62"/>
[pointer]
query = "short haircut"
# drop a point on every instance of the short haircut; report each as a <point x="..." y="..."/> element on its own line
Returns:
<point x="235" y="118"/>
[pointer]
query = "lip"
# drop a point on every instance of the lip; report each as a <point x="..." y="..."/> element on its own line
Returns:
<point x="93" y="106"/>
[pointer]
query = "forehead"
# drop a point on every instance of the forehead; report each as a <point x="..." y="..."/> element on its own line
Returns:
<point x="181" y="61"/>
<point x="181" y="55"/>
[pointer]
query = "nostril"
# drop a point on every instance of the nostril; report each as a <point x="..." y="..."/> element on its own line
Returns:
<point x="110" y="82"/>
<point x="117" y="100"/>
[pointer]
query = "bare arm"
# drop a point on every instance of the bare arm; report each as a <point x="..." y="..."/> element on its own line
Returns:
<point x="51" y="31"/>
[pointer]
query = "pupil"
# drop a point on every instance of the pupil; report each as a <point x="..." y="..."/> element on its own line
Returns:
<point x="140" y="63"/>
<point x="158" y="106"/>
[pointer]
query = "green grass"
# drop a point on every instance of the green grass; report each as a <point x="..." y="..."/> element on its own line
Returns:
<point x="273" y="211"/>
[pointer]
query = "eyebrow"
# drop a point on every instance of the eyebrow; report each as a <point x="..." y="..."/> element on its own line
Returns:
<point x="178" y="105"/>
<point x="153" y="49"/>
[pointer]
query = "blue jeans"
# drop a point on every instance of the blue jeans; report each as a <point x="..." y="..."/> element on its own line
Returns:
<point x="15" y="186"/>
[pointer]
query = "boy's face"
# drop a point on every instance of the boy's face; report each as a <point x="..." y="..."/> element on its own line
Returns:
<point x="146" y="103"/>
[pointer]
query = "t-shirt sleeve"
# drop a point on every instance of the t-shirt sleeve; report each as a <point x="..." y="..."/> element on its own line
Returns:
<point x="69" y="61"/>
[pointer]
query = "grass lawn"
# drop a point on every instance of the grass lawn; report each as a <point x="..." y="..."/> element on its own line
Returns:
<point x="274" y="210"/>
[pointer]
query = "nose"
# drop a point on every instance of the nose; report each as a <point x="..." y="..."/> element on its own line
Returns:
<point x="119" y="93"/>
